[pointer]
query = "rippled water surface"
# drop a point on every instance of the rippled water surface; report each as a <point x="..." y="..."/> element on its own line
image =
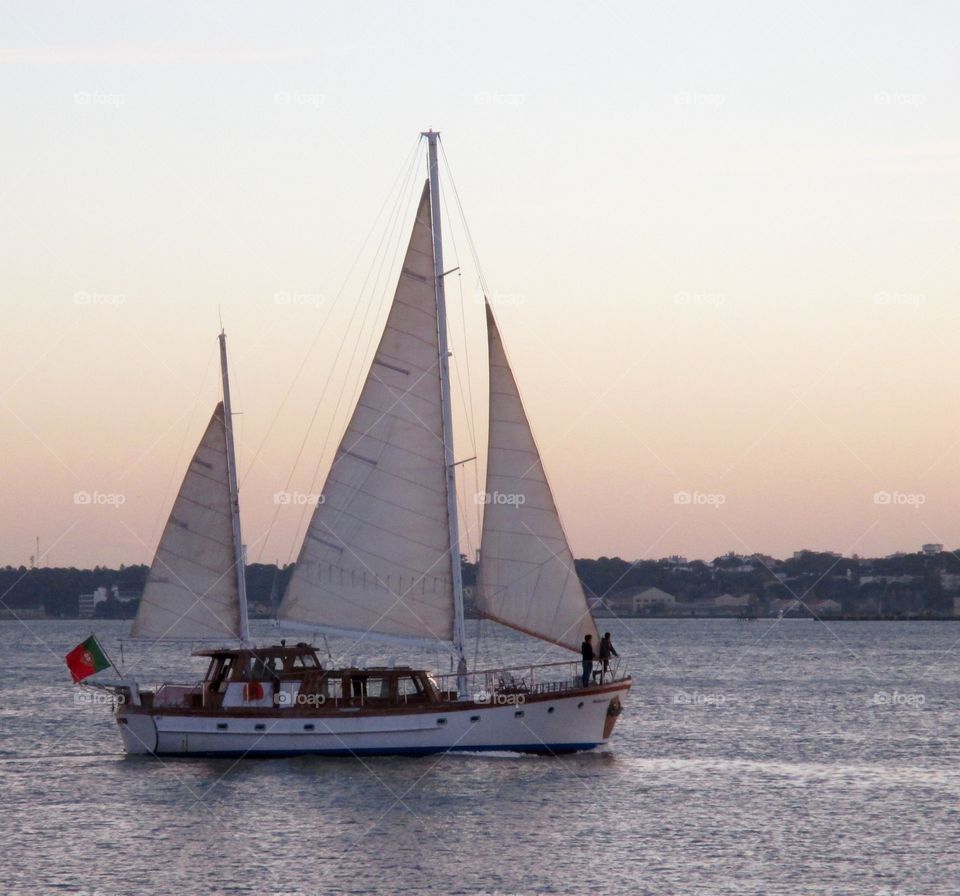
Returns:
<point x="752" y="758"/>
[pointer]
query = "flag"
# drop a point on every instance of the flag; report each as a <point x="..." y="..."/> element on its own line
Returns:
<point x="86" y="659"/>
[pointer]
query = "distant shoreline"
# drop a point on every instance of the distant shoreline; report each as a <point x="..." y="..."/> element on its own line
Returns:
<point x="7" y="615"/>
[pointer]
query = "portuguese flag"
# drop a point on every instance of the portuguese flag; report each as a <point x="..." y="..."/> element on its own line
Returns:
<point x="86" y="659"/>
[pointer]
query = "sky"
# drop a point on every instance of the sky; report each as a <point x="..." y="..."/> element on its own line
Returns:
<point x="720" y="241"/>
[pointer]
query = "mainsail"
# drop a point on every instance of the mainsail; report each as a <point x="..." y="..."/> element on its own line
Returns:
<point x="191" y="591"/>
<point x="376" y="557"/>
<point x="526" y="578"/>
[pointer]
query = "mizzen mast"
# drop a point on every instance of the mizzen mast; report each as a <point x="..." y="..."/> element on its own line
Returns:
<point x="451" y="470"/>
<point x="238" y="551"/>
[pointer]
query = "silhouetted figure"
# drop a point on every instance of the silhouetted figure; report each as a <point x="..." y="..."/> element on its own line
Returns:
<point x="586" y="651"/>
<point x="607" y="650"/>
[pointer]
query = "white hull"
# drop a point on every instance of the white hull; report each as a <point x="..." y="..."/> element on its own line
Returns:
<point x="577" y="720"/>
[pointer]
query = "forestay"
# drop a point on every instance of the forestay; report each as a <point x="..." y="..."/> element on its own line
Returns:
<point x="376" y="559"/>
<point x="526" y="578"/>
<point x="191" y="590"/>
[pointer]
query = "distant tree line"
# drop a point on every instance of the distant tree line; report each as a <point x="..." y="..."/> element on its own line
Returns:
<point x="851" y="581"/>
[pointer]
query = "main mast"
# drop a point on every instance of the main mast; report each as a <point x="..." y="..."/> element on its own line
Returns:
<point x="438" y="273"/>
<point x="234" y="494"/>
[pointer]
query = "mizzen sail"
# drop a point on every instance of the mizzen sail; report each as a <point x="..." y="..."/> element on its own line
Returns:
<point x="191" y="590"/>
<point x="526" y="578"/>
<point x="376" y="557"/>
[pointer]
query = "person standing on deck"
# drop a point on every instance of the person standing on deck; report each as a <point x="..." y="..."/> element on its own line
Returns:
<point x="586" y="651"/>
<point x="607" y="650"/>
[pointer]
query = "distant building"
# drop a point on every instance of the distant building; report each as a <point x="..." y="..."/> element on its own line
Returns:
<point x="87" y="603"/>
<point x="731" y="602"/>
<point x="887" y="580"/>
<point x="652" y="597"/>
<point x="931" y="549"/>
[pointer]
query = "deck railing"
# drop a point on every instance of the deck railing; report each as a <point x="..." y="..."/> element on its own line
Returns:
<point x="510" y="683"/>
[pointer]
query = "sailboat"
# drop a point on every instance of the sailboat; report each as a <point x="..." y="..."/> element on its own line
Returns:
<point x="380" y="560"/>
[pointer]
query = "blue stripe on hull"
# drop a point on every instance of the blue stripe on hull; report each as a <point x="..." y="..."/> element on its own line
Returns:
<point x="541" y="749"/>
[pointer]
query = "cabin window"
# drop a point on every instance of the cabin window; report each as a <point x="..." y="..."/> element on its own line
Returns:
<point x="408" y="687"/>
<point x="335" y="688"/>
<point x="266" y="668"/>
<point x="370" y="687"/>
<point x="378" y="687"/>
<point x="305" y="661"/>
<point x="219" y="673"/>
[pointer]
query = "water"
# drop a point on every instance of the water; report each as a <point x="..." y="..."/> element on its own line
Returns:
<point x="753" y="758"/>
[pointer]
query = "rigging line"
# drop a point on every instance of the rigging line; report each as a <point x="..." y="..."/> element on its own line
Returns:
<point x="381" y="286"/>
<point x="463" y="217"/>
<point x="393" y="225"/>
<point x="392" y="235"/>
<point x="476" y="465"/>
<point x="382" y="247"/>
<point x="330" y="311"/>
<point x="466" y="399"/>
<point x="323" y="390"/>
<point x="176" y="466"/>
<point x="467" y="406"/>
<point x="476" y="648"/>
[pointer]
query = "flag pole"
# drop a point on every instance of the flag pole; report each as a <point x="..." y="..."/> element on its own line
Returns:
<point x="107" y="655"/>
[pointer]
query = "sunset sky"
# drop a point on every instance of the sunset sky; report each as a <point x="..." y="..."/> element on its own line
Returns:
<point x="720" y="240"/>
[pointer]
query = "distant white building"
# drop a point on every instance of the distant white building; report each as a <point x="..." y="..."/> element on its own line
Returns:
<point x="731" y="602"/>
<point x="932" y="549"/>
<point x="651" y="597"/>
<point x="87" y="603"/>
